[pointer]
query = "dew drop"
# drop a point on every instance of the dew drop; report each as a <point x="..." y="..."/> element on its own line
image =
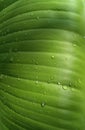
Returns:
<point x="65" y="87"/>
<point x="8" y="85"/>
<point x="36" y="82"/>
<point x="43" y="104"/>
<point x="52" y="57"/>
<point x="18" y="78"/>
<point x="74" y="45"/>
<point x="58" y="83"/>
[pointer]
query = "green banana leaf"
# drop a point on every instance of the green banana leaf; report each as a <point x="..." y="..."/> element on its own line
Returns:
<point x="42" y="65"/>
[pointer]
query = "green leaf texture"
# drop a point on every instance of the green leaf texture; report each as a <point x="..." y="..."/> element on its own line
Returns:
<point x="42" y="65"/>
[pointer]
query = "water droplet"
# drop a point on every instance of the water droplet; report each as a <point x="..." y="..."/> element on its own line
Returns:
<point x="8" y="85"/>
<point x="18" y="78"/>
<point x="52" y="57"/>
<point x="65" y="87"/>
<point x="43" y="104"/>
<point x="74" y="45"/>
<point x="58" y="83"/>
<point x="36" y="82"/>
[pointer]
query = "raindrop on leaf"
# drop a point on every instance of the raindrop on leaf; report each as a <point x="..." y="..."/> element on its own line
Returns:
<point x="58" y="83"/>
<point x="36" y="82"/>
<point x="65" y="87"/>
<point x="52" y="57"/>
<point x="43" y="104"/>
